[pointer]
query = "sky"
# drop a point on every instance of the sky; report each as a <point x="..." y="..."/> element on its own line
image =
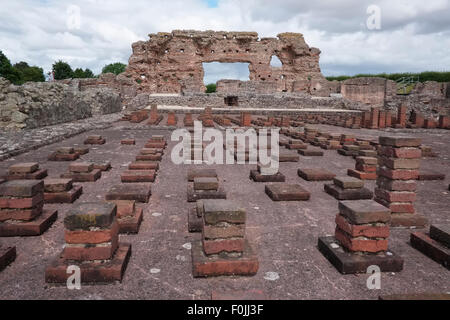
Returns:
<point x="355" y="36"/>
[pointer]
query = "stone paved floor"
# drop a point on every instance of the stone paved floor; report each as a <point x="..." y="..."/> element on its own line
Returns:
<point x="283" y="234"/>
<point x="16" y="142"/>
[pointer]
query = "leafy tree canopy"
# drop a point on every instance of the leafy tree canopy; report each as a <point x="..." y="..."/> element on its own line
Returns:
<point x="116" y="68"/>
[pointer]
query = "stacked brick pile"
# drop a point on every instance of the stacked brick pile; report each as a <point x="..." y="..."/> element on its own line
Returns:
<point x="399" y="159"/>
<point x="22" y="209"/>
<point x="435" y="244"/>
<point x="95" y="140"/>
<point x="129" y="217"/>
<point x="172" y="119"/>
<point x="265" y="174"/>
<point x="361" y="239"/>
<point x="333" y="142"/>
<point x="348" y="188"/>
<point x="26" y="171"/>
<point x="150" y="154"/>
<point x="92" y="243"/>
<point x="205" y="188"/>
<point x="155" y="118"/>
<point x="61" y="191"/>
<point x="64" y="154"/>
<point x="138" y="116"/>
<point x="246" y="119"/>
<point x="223" y="250"/>
<point x="296" y="144"/>
<point x="82" y="172"/>
<point x="365" y="168"/>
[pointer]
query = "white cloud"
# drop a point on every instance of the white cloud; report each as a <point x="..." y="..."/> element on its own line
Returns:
<point x="414" y="34"/>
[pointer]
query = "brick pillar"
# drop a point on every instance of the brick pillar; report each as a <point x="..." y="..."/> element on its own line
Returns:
<point x="365" y="168"/>
<point x="444" y="122"/>
<point x="246" y="119"/>
<point x="382" y="119"/>
<point x="223" y="251"/>
<point x="399" y="160"/>
<point x="91" y="234"/>
<point x="172" y="119"/>
<point x="366" y="119"/>
<point x="361" y="239"/>
<point x="22" y="201"/>
<point x="430" y="124"/>
<point x="285" y="121"/>
<point x="374" y="112"/>
<point x="401" y="117"/>
<point x="388" y="122"/>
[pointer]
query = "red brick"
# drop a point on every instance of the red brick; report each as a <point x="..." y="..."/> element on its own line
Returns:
<point x="362" y="175"/>
<point x="444" y="122"/>
<point x="64" y="197"/>
<point x="149" y="157"/>
<point x="204" y="266"/>
<point x="130" y="176"/>
<point x="128" y="142"/>
<point x="396" y="185"/>
<point x="81" y="167"/>
<point x="172" y="119"/>
<point x="23" y="168"/>
<point x="223" y="245"/>
<point x="21" y="188"/>
<point x="367" y="230"/>
<point x="367" y="160"/>
<point x="400" y="141"/>
<point x="395" y="196"/>
<point x="124" y="207"/>
<point x="57" y="185"/>
<point x="92" y="237"/>
<point x="89" y="252"/>
<point x="156" y="144"/>
<point x="398" y="174"/>
<point x="21" y="214"/>
<point x="397" y="207"/>
<point x="395" y="163"/>
<point x="359" y="244"/>
<point x="21" y="203"/>
<point x="144" y="165"/>
<point x="365" y="167"/>
<point x="405" y="152"/>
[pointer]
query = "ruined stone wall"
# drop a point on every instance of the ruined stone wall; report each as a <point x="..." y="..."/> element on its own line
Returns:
<point x="366" y="90"/>
<point x="237" y="86"/>
<point x="172" y="62"/>
<point x="261" y="101"/>
<point x="38" y="104"/>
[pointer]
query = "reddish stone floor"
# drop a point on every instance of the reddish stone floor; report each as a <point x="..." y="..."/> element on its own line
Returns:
<point x="284" y="234"/>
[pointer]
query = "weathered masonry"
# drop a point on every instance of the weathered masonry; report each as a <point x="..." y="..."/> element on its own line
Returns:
<point x="172" y="62"/>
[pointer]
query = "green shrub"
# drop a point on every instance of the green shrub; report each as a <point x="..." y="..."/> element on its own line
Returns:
<point x="211" y="88"/>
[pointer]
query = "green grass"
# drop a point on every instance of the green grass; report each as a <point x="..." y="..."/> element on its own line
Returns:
<point x="423" y="76"/>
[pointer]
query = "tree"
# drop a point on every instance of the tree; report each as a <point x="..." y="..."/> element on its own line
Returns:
<point x="27" y="73"/>
<point x="88" y="73"/>
<point x="62" y="70"/>
<point x="210" y="88"/>
<point x="116" y="68"/>
<point x="7" y="71"/>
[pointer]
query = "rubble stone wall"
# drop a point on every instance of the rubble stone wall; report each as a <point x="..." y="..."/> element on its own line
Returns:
<point x="172" y="62"/>
<point x="38" y="104"/>
<point x="247" y="100"/>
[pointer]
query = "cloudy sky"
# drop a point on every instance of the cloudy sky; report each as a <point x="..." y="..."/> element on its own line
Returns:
<point x="413" y="35"/>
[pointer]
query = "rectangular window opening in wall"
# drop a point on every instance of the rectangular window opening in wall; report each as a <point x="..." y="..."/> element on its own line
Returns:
<point x="231" y="101"/>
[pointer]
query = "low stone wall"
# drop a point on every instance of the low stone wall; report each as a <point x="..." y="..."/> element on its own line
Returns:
<point x="278" y="100"/>
<point x="38" y="104"/>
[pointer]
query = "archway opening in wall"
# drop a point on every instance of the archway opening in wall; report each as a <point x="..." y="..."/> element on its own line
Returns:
<point x="215" y="71"/>
<point x="275" y="62"/>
